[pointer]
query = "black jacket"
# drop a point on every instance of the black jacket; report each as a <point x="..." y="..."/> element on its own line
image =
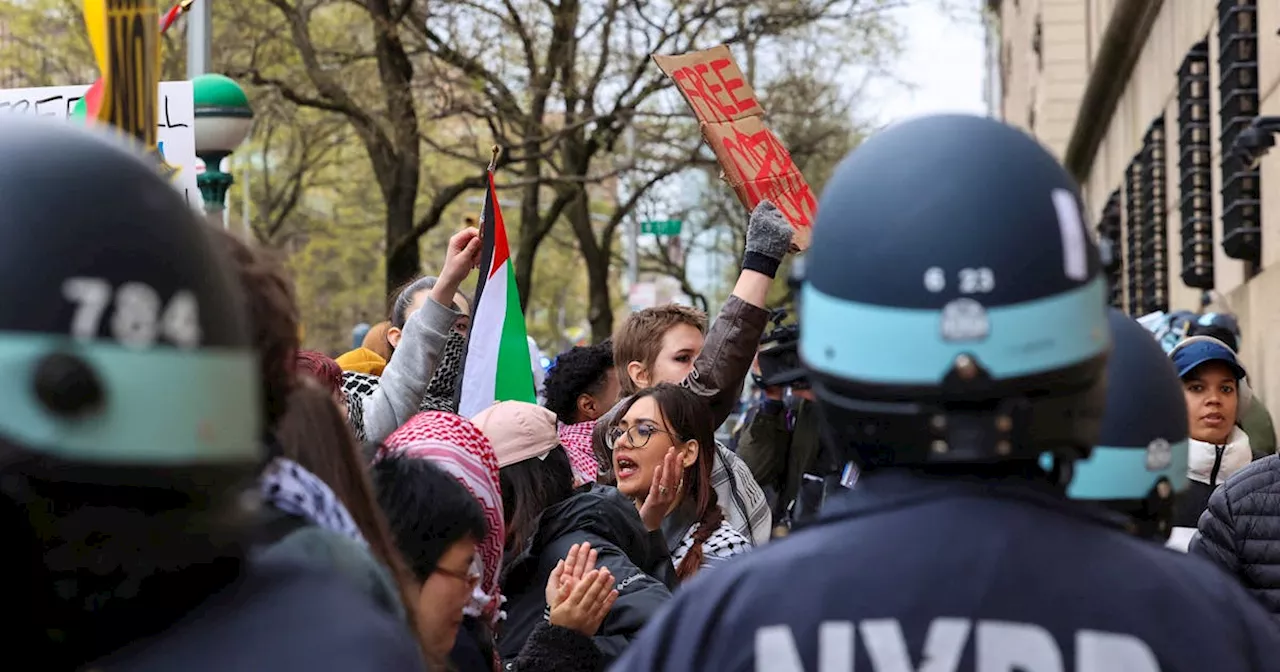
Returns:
<point x="780" y="446"/>
<point x="602" y="516"/>
<point x="964" y="572"/>
<point x="1240" y="531"/>
<point x="548" y="649"/>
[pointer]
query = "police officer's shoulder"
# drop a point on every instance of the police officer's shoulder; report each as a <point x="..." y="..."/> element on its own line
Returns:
<point x="1202" y="588"/>
<point x="283" y="614"/>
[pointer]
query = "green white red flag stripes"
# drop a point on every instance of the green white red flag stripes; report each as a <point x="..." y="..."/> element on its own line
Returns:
<point x="496" y="366"/>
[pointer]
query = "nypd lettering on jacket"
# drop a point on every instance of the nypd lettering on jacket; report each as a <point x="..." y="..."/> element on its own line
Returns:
<point x="997" y="646"/>
<point x="908" y="573"/>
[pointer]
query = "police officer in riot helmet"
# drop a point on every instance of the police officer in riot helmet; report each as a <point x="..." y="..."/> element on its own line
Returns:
<point x="954" y="324"/>
<point x="1139" y="465"/>
<point x="131" y="431"/>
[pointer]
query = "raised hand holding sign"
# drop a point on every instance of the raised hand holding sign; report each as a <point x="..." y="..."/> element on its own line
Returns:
<point x="754" y="161"/>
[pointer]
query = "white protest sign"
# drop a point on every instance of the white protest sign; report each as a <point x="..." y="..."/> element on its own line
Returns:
<point x="176" y="135"/>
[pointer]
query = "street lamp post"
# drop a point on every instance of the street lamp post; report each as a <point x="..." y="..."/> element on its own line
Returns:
<point x="222" y="123"/>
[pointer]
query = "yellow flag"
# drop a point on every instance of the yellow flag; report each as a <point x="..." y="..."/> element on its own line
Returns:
<point x="125" y="35"/>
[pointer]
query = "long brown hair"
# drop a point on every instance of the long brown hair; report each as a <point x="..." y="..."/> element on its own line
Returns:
<point x="688" y="417"/>
<point x="314" y="434"/>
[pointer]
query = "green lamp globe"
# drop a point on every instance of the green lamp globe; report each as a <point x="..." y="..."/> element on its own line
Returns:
<point x="223" y="117"/>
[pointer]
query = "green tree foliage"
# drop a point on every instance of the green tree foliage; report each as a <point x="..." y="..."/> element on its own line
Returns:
<point x="376" y="116"/>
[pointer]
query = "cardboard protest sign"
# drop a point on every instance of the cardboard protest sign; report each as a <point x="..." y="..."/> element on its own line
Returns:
<point x="755" y="163"/>
<point x="175" y="126"/>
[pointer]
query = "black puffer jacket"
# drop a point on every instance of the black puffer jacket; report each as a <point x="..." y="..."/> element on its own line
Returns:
<point x="602" y="516"/>
<point x="1240" y="531"/>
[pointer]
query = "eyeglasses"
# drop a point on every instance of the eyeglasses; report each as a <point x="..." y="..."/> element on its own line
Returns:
<point x="637" y="435"/>
<point x="470" y="578"/>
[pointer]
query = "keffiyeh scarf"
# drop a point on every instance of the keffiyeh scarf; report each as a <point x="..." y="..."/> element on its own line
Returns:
<point x="458" y="447"/>
<point x="576" y="440"/>
<point x="443" y="388"/>
<point x="289" y="487"/>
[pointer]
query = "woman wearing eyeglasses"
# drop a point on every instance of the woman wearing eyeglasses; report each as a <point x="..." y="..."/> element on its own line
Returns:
<point x="663" y="451"/>
<point x="545" y="517"/>
<point x="437" y="525"/>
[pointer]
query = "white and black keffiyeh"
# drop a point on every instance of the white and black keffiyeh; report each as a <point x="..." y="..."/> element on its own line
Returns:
<point x="723" y="544"/>
<point x="439" y="395"/>
<point x="357" y="387"/>
<point x="442" y="389"/>
<point x="289" y="487"/>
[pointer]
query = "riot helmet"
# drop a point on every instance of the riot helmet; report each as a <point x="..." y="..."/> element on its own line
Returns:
<point x="131" y="417"/>
<point x="123" y="331"/>
<point x="1139" y="465"/>
<point x="1222" y="326"/>
<point x="1169" y="328"/>
<point x="953" y="309"/>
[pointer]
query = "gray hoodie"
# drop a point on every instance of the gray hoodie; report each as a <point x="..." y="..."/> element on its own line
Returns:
<point x="404" y="380"/>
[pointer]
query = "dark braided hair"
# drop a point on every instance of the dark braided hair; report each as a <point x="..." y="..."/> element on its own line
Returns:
<point x="709" y="522"/>
<point x="688" y="416"/>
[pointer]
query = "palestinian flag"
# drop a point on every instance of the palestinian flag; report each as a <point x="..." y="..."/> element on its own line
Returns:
<point x="496" y="366"/>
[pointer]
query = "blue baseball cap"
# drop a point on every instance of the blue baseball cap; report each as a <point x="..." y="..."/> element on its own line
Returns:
<point x="1191" y="355"/>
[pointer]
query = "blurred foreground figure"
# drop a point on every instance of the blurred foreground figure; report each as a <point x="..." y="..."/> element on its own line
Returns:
<point x="954" y="325"/>
<point x="130" y="432"/>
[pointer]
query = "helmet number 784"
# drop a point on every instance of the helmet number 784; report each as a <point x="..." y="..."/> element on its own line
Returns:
<point x="139" y="319"/>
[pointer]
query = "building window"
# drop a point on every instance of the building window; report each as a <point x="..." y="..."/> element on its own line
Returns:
<point x="1155" y="242"/>
<point x="1004" y="62"/>
<point x="1195" y="170"/>
<point x="1109" y="230"/>
<point x="1133" y="238"/>
<point x="1037" y="44"/>
<point x="1238" y="89"/>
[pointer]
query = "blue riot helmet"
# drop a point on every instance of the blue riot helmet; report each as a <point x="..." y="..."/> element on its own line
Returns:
<point x="1222" y="326"/>
<point x="953" y="308"/>
<point x="1139" y="465"/>
<point x="1170" y="329"/>
<point x="123" y="331"/>
<point x="131" y="425"/>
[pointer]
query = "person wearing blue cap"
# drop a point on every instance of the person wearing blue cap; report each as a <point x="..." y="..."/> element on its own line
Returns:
<point x="1255" y="420"/>
<point x="1211" y="382"/>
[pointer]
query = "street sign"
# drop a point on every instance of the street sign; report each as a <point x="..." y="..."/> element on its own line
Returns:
<point x="661" y="227"/>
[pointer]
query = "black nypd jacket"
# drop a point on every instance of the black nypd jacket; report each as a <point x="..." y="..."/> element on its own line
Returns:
<point x="278" y="616"/>
<point x="965" y="574"/>
<point x="602" y="516"/>
<point x="1240" y="531"/>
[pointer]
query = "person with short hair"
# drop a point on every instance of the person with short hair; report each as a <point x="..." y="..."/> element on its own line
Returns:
<point x="437" y="525"/>
<point x="581" y="386"/>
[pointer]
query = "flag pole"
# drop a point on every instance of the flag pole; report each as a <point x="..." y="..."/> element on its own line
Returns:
<point x="493" y="161"/>
<point x="486" y="215"/>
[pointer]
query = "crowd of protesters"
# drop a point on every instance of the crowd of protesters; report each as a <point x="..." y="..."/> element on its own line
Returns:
<point x="368" y="525"/>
